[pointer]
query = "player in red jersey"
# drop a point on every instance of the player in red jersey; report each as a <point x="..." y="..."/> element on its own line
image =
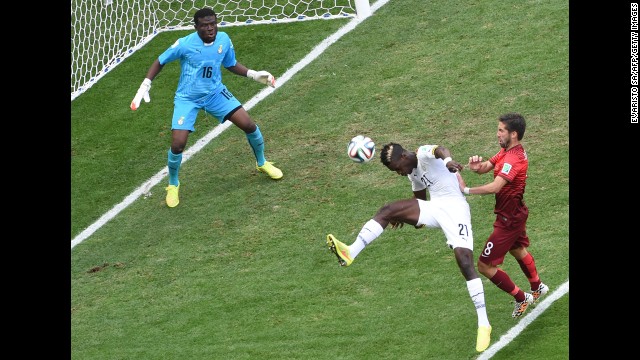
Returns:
<point x="509" y="234"/>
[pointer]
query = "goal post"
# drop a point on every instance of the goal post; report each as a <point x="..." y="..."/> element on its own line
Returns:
<point x="363" y="9"/>
<point x="105" y="32"/>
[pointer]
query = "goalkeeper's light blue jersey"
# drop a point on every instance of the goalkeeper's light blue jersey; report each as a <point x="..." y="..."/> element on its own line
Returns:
<point x="200" y="64"/>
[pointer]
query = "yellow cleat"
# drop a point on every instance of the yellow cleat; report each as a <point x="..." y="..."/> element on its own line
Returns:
<point x="484" y="338"/>
<point x="340" y="250"/>
<point x="270" y="170"/>
<point x="172" y="195"/>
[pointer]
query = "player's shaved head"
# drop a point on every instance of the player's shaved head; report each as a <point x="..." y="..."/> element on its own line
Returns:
<point x="390" y="152"/>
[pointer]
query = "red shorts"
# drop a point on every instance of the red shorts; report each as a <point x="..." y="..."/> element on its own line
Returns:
<point x="506" y="235"/>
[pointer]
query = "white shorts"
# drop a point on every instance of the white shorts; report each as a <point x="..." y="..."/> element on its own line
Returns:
<point x="452" y="216"/>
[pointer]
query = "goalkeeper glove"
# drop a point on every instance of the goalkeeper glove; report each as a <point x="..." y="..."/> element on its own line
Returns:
<point x="143" y="93"/>
<point x="262" y="77"/>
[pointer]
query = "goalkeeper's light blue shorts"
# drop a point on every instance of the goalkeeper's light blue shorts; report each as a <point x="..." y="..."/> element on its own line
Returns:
<point x="218" y="104"/>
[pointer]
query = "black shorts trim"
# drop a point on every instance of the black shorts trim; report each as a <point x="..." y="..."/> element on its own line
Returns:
<point x="230" y="114"/>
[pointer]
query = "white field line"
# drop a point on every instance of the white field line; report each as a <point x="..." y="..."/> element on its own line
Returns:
<point x="202" y="142"/>
<point x="525" y="321"/>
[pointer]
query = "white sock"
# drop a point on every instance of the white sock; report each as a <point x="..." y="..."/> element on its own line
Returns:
<point x="369" y="232"/>
<point x="476" y="291"/>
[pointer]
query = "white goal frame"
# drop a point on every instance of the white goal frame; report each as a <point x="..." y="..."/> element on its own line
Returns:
<point x="105" y="32"/>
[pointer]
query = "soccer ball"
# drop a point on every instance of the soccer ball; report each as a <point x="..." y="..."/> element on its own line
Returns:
<point x="361" y="149"/>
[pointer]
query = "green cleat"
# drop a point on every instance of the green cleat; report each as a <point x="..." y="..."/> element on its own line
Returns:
<point x="340" y="250"/>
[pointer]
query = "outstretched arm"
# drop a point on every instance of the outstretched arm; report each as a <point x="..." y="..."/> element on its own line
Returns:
<point x="490" y="188"/>
<point x="238" y="69"/>
<point x="461" y="182"/>
<point x="443" y="153"/>
<point x="476" y="165"/>
<point x="262" y="76"/>
<point x="145" y="87"/>
<point x="154" y="69"/>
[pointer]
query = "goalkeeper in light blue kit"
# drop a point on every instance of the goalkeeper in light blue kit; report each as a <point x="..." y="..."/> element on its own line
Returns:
<point x="200" y="87"/>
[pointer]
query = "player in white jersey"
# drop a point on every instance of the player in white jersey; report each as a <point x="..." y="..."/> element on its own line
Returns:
<point x="202" y="54"/>
<point x="429" y="168"/>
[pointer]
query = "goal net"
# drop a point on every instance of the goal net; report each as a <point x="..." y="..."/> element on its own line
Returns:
<point x="105" y="32"/>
